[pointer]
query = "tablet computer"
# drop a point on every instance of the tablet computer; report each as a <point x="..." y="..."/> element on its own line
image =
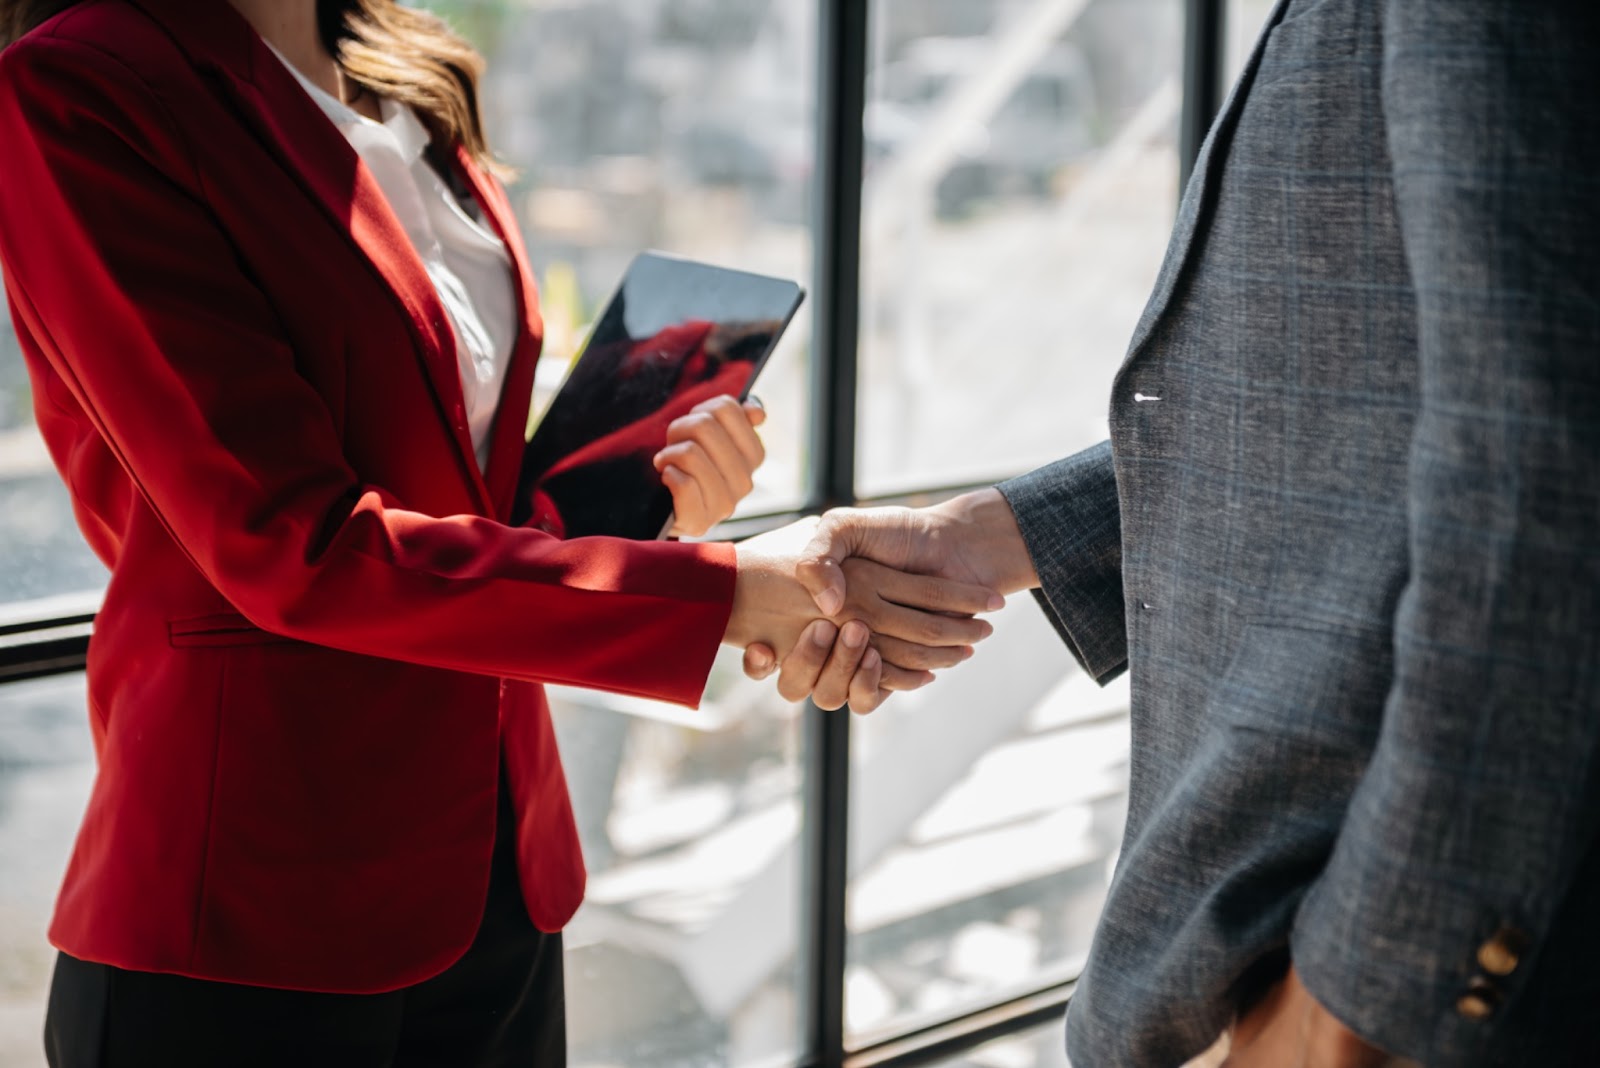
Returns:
<point x="675" y="333"/>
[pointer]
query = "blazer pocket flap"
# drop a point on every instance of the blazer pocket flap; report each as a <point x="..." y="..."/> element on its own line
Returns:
<point x="220" y="629"/>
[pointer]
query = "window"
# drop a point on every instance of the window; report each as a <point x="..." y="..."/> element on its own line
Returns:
<point x="46" y="765"/>
<point x="986" y="811"/>
<point x="1018" y="170"/>
<point x="44" y="565"/>
<point x="683" y="126"/>
<point x="1021" y="176"/>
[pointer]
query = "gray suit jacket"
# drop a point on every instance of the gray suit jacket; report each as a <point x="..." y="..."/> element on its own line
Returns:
<point x="1346" y="538"/>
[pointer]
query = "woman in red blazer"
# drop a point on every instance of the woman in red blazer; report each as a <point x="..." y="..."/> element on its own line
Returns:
<point x="330" y="823"/>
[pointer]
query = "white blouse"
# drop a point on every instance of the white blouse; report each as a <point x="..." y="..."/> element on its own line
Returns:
<point x="467" y="263"/>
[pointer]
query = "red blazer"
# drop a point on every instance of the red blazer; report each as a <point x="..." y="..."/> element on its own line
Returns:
<point x="320" y="637"/>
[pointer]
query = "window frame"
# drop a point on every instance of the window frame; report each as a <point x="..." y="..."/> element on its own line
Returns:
<point x="58" y="644"/>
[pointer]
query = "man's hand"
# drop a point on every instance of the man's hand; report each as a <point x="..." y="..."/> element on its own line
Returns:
<point x="971" y="539"/>
<point x="1290" y="1029"/>
<point x="916" y="622"/>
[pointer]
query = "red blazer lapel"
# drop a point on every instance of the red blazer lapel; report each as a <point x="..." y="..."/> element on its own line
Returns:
<point x="511" y="423"/>
<point x="271" y="102"/>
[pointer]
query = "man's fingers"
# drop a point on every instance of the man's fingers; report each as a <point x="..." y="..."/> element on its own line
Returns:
<point x="918" y="627"/>
<point x="928" y="592"/>
<point x="921" y="657"/>
<point x="818" y="570"/>
<point x="803" y="666"/>
<point x="849" y="652"/>
<point x="824" y="580"/>
<point x="902" y="679"/>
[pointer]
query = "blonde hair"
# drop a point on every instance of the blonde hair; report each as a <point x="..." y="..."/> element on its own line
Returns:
<point x="414" y="57"/>
<point x="17" y="17"/>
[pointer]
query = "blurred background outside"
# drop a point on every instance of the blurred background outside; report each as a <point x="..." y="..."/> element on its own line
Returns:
<point x="1021" y="173"/>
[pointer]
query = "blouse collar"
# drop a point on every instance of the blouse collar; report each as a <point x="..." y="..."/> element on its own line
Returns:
<point x="410" y="136"/>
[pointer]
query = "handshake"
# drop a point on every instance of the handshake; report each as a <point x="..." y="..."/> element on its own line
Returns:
<point x="858" y="604"/>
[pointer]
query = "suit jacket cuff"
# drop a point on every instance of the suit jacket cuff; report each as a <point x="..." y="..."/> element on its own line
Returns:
<point x="1072" y="524"/>
<point x="1387" y="940"/>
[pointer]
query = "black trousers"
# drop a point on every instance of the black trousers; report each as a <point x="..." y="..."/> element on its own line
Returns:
<point x="500" y="1005"/>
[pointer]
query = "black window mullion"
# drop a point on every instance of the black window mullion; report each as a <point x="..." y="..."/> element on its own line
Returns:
<point x="841" y="94"/>
<point x="1204" y="74"/>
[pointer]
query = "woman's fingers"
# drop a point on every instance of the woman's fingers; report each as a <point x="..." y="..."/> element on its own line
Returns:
<point x="847" y="659"/>
<point x="704" y="434"/>
<point x="691" y="511"/>
<point x="716" y="445"/>
<point x="711" y="502"/>
<point x="803" y="666"/>
<point x="760" y="661"/>
<point x="866" y="690"/>
<point x="726" y="430"/>
<point x="738" y="422"/>
<point x="836" y="666"/>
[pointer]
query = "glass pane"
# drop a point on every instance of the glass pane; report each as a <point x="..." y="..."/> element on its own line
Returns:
<point x="1021" y="182"/>
<point x="685" y="126"/>
<point x="986" y="813"/>
<point x="679" y="125"/>
<point x="42" y="557"/>
<point x="46" y="766"/>
<point x="683" y="953"/>
<point x="1042" y="1047"/>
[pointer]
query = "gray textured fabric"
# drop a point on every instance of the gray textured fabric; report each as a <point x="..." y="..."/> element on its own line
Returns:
<point x="1078" y="555"/>
<point x="1360" y="548"/>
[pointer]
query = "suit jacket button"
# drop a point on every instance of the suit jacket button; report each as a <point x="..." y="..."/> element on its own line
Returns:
<point x="1501" y="954"/>
<point x="1475" y="1007"/>
<point x="1480" y="1000"/>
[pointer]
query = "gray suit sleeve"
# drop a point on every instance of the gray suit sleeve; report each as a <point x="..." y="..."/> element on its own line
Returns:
<point x="1070" y="519"/>
<point x="1482" y="800"/>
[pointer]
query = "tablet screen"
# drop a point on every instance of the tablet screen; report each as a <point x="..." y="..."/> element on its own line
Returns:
<point x="675" y="333"/>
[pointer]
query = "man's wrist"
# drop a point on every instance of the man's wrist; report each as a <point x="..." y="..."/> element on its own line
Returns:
<point x="991" y="540"/>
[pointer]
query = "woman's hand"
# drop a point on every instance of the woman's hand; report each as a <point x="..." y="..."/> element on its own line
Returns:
<point x="834" y="665"/>
<point x="711" y="455"/>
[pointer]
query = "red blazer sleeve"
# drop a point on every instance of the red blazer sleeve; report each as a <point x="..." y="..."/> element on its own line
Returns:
<point x="129" y="288"/>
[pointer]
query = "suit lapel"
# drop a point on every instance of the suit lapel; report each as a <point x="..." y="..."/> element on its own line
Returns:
<point x="1199" y="196"/>
<point x="274" y="106"/>
<point x="510" y="426"/>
